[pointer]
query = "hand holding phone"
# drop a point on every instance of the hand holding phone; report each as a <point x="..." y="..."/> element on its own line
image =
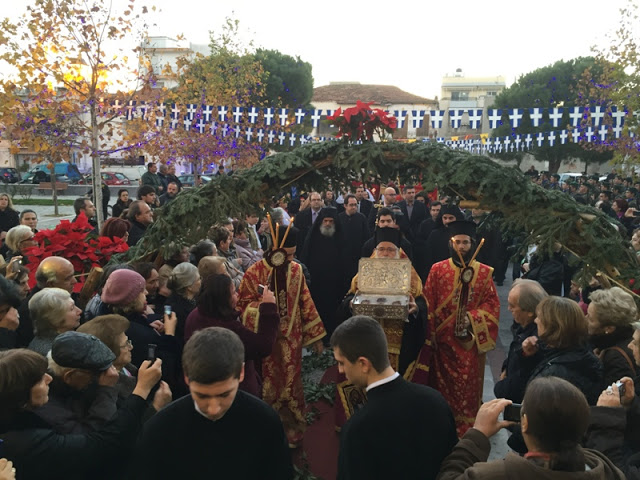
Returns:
<point x="151" y="352"/>
<point x="512" y="412"/>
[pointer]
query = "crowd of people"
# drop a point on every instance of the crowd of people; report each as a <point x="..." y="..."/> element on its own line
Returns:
<point x="193" y="368"/>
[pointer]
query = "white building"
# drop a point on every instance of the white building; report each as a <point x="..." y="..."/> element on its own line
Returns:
<point x="164" y="52"/>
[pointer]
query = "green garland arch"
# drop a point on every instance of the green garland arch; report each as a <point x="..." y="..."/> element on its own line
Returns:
<point x="549" y="216"/>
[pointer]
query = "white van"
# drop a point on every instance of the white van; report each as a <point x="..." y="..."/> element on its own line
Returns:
<point x="565" y="177"/>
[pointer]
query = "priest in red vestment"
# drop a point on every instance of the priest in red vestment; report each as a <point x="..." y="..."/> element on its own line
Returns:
<point x="464" y="310"/>
<point x="300" y="326"/>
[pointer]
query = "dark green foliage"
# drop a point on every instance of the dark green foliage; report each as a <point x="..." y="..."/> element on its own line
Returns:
<point x="549" y="215"/>
<point x="289" y="82"/>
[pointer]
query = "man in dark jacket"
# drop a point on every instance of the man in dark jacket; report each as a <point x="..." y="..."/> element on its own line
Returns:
<point x="382" y="439"/>
<point x="356" y="233"/>
<point x="140" y="216"/>
<point x="437" y="246"/>
<point x="414" y="212"/>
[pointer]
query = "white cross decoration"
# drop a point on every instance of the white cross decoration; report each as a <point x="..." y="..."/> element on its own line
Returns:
<point x="282" y="115"/>
<point x="207" y="111"/>
<point x="540" y="139"/>
<point x="237" y="130"/>
<point x="528" y="139"/>
<point x="602" y="132"/>
<point x="499" y="144"/>
<point x="617" y="131"/>
<point x="552" y="138"/>
<point x="116" y="106"/>
<point x="437" y="118"/>
<point x="494" y="118"/>
<point x="455" y="116"/>
<point x="237" y="114"/>
<point x="131" y="109"/>
<point x="222" y="113"/>
<point x="213" y="128"/>
<point x="575" y="135"/>
<point x="144" y="107"/>
<point x="300" y="113"/>
<point x="253" y="114"/>
<point x="315" y="117"/>
<point x="440" y="139"/>
<point x="191" y="110"/>
<point x="507" y="141"/>
<point x="174" y="123"/>
<point x="175" y="111"/>
<point x="249" y="134"/>
<point x="597" y="114"/>
<point x="618" y="116"/>
<point x="417" y="116"/>
<point x="200" y="125"/>
<point x="401" y="117"/>
<point x="271" y="137"/>
<point x="475" y="117"/>
<point x="260" y="134"/>
<point x="589" y="134"/>
<point x="303" y="140"/>
<point x="292" y="139"/>
<point x="515" y="115"/>
<point x="187" y="122"/>
<point x="535" y="114"/>
<point x="555" y="116"/>
<point x="268" y="116"/>
<point x="282" y="137"/>
<point x="159" y="121"/>
<point x="575" y="114"/>
<point x="162" y="110"/>
<point x="225" y="130"/>
<point x="563" y="137"/>
<point x="517" y="141"/>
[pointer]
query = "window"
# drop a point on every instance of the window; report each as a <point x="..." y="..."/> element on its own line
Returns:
<point x="459" y="95"/>
<point x="491" y="94"/>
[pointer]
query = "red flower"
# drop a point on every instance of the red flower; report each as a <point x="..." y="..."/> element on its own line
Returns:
<point x="362" y="122"/>
<point x="78" y="243"/>
<point x="632" y="281"/>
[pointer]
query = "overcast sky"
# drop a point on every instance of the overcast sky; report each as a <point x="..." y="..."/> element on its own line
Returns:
<point x="409" y="44"/>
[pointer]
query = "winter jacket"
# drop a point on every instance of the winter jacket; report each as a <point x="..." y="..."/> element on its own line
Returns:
<point x="616" y="365"/>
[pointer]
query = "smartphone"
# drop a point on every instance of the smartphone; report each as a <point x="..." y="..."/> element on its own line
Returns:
<point x="260" y="289"/>
<point x="621" y="388"/>
<point x="167" y="310"/>
<point x="16" y="265"/>
<point x="512" y="412"/>
<point x="151" y="352"/>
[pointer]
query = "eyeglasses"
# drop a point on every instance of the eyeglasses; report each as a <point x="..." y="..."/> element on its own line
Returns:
<point x="386" y="250"/>
<point x="462" y="242"/>
<point x="129" y="344"/>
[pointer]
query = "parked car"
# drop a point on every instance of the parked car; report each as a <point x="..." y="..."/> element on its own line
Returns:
<point x="111" y="178"/>
<point x="569" y="177"/>
<point x="40" y="173"/>
<point x="9" y="175"/>
<point x="188" y="180"/>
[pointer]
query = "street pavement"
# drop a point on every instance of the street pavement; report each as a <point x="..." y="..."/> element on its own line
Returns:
<point x="46" y="218"/>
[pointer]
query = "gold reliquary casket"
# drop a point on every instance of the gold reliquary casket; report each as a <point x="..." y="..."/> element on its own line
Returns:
<point x="383" y="288"/>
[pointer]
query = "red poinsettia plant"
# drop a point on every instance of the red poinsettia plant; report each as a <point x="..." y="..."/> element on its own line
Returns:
<point x="78" y="243"/>
<point x="362" y="122"/>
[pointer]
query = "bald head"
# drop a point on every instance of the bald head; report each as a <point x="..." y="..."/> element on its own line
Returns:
<point x="389" y="196"/>
<point x="56" y="272"/>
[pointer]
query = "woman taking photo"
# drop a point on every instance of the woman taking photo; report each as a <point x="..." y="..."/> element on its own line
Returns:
<point x="610" y="316"/>
<point x="121" y="204"/>
<point x="36" y="450"/>
<point x="217" y="307"/>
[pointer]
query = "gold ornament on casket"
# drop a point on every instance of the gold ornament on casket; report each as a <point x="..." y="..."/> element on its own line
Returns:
<point x="383" y="288"/>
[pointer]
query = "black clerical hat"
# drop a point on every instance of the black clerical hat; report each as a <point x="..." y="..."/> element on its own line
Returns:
<point x="462" y="227"/>
<point x="328" y="212"/>
<point x="292" y="238"/>
<point x="388" y="234"/>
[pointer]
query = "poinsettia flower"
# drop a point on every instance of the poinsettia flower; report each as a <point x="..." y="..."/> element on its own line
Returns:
<point x="335" y="115"/>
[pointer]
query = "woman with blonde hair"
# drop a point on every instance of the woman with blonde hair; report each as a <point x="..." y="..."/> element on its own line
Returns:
<point x="610" y="317"/>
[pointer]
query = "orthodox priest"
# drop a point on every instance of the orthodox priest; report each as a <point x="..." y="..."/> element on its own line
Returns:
<point x="300" y="326"/>
<point x="464" y="320"/>
<point x="405" y="339"/>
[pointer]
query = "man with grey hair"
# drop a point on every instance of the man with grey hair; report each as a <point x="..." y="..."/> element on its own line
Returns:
<point x="524" y="297"/>
<point x="140" y="216"/>
<point x="56" y="272"/>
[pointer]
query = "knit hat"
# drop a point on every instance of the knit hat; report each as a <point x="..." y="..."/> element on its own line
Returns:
<point x="81" y="350"/>
<point x="123" y="287"/>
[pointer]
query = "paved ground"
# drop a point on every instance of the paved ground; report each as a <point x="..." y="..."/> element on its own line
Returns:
<point x="46" y="217"/>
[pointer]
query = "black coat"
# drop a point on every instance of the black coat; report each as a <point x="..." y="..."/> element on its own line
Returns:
<point x="119" y="207"/>
<point x="136" y="232"/>
<point x="616" y="365"/>
<point x="404" y="431"/>
<point x="182" y="308"/>
<point x="548" y="272"/>
<point x="355" y="234"/>
<point x="9" y="218"/>
<point x="517" y="366"/>
<point x="38" y="452"/>
<point x="365" y="207"/>
<point x="418" y="215"/>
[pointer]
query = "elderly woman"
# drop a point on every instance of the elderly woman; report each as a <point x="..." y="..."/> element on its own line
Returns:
<point x="610" y="316"/>
<point x="554" y="418"/>
<point x="223" y="240"/>
<point x="184" y="284"/>
<point x="18" y="239"/>
<point x="125" y="294"/>
<point x="53" y="312"/>
<point x="111" y="330"/>
<point x="243" y="247"/>
<point x="212" y="265"/>
<point x="524" y="297"/>
<point x="217" y="307"/>
<point x="165" y="270"/>
<point x="36" y="450"/>
<point x="204" y="248"/>
<point x="9" y="319"/>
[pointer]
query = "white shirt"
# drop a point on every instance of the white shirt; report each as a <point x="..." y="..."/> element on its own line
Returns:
<point x="390" y="378"/>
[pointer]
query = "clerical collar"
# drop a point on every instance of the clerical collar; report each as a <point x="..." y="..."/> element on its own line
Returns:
<point x="390" y="378"/>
